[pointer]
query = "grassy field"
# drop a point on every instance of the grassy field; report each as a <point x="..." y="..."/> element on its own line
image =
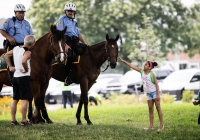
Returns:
<point x="118" y="122"/>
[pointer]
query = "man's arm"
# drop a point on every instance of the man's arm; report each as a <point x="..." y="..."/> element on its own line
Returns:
<point x="27" y="56"/>
<point x="9" y="38"/>
<point x="7" y="58"/>
<point x="82" y="39"/>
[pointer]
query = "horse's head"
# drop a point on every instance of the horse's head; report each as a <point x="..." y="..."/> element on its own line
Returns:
<point x="57" y="42"/>
<point x="112" y="50"/>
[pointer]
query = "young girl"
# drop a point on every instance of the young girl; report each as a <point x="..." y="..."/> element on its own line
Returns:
<point x="151" y="88"/>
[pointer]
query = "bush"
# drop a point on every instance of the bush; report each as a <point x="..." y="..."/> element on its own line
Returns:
<point x="143" y="98"/>
<point x="167" y="98"/>
<point x="121" y="99"/>
<point x="187" y="96"/>
<point x="5" y="103"/>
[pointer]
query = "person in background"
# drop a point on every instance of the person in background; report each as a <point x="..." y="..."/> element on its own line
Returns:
<point x="66" y="93"/>
<point x="15" y="29"/>
<point x="198" y="103"/>
<point x="21" y="80"/>
<point x="72" y="34"/>
<point x="93" y="96"/>
<point x="152" y="90"/>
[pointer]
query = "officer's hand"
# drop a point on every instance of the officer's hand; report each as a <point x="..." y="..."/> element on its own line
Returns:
<point x="12" y="69"/>
<point x="67" y="47"/>
<point x="11" y="40"/>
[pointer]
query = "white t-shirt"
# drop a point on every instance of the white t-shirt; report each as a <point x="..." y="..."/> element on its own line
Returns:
<point x="147" y="83"/>
<point x="18" y="54"/>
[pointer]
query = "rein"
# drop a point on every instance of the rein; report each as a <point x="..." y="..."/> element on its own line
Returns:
<point x="108" y="58"/>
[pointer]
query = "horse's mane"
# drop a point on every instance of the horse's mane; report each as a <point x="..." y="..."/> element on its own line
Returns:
<point x="42" y="37"/>
<point x="98" y="44"/>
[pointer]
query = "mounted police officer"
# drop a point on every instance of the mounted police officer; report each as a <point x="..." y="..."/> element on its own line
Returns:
<point x="15" y="29"/>
<point x="72" y="35"/>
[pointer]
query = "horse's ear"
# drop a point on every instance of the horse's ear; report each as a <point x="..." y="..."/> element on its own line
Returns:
<point x="52" y="28"/>
<point x="117" y="37"/>
<point x="107" y="37"/>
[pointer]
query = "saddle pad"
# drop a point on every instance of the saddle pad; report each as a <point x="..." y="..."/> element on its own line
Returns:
<point x="3" y="65"/>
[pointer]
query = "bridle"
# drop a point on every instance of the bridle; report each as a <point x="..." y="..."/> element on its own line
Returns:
<point x="108" y="57"/>
<point x="52" y="48"/>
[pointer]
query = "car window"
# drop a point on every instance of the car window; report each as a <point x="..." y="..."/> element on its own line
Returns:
<point x="162" y="74"/>
<point x="197" y="75"/>
<point x="178" y="77"/>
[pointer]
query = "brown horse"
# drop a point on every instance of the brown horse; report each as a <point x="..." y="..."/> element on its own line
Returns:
<point x="87" y="70"/>
<point x="50" y="46"/>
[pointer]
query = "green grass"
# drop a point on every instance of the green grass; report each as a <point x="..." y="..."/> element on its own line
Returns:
<point x="118" y="122"/>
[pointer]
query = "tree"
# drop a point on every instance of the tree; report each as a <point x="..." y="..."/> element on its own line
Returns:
<point x="96" y="18"/>
<point x="147" y="46"/>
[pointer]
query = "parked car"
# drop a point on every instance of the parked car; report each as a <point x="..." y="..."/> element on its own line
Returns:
<point x="181" y="80"/>
<point x="161" y="74"/>
<point x="125" y="85"/>
<point x="132" y="79"/>
<point x="6" y="91"/>
<point x="101" y="82"/>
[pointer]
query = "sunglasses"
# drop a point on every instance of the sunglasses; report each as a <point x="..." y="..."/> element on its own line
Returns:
<point x="70" y="11"/>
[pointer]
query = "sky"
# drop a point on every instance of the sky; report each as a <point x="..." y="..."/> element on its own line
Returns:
<point x="7" y="9"/>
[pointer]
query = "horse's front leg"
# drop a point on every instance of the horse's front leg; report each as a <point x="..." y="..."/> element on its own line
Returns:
<point x="86" y="115"/>
<point x="44" y="112"/>
<point x="78" y="113"/>
<point x="37" y="118"/>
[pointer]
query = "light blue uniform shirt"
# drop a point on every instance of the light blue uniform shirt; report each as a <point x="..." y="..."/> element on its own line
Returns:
<point x="22" y="29"/>
<point x="72" y="28"/>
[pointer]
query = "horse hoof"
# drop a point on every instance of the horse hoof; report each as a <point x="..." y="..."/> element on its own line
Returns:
<point x="90" y="123"/>
<point x="79" y="123"/>
<point x="49" y="121"/>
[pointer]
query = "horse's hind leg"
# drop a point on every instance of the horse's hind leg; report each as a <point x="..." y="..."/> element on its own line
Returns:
<point x="78" y="113"/>
<point x="44" y="112"/>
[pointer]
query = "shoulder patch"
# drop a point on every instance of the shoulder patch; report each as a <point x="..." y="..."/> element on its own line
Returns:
<point x="60" y="22"/>
<point x="6" y="22"/>
<point x="76" y="24"/>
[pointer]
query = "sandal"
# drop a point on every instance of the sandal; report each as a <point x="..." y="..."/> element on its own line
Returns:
<point x="14" y="123"/>
<point x="149" y="128"/>
<point x="161" y="129"/>
<point x="26" y="123"/>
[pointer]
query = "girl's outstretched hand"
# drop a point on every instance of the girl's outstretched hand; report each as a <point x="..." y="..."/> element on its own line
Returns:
<point x="121" y="59"/>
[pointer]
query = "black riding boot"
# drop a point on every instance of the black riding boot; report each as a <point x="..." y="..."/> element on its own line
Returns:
<point x="68" y="80"/>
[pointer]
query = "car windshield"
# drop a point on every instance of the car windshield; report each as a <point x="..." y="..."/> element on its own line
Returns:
<point x="178" y="77"/>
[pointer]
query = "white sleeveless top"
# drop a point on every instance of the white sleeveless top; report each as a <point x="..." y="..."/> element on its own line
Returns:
<point x="18" y="54"/>
<point x="147" y="83"/>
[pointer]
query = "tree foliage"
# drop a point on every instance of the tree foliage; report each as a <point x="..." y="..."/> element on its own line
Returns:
<point x="147" y="46"/>
<point x="171" y="22"/>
